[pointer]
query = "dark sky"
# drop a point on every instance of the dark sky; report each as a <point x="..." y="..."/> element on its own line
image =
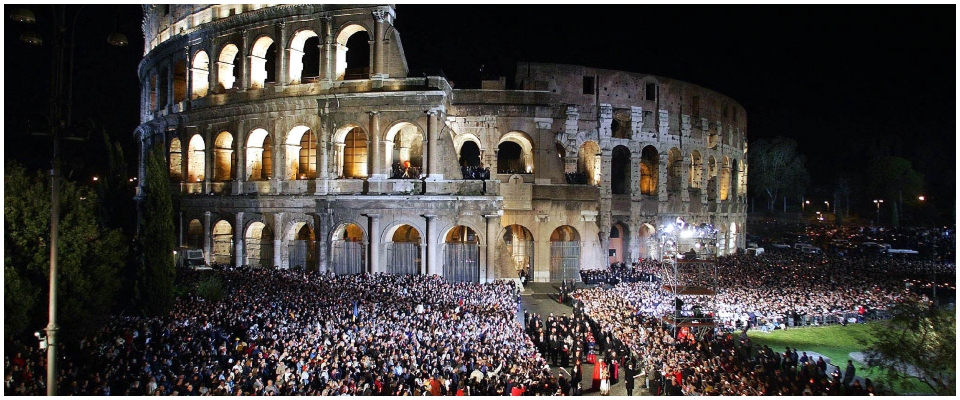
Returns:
<point x="847" y="82"/>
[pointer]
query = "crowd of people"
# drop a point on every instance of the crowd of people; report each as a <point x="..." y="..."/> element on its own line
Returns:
<point x="475" y="172"/>
<point x="283" y="333"/>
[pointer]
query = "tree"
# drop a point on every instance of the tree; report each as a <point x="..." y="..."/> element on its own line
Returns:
<point x="918" y="342"/>
<point x="89" y="259"/>
<point x="891" y="178"/>
<point x="776" y="170"/>
<point x="155" y="284"/>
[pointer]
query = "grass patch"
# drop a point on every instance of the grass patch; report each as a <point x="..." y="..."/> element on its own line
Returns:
<point x="835" y="341"/>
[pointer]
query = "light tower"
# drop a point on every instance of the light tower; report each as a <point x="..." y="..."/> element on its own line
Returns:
<point x="689" y="273"/>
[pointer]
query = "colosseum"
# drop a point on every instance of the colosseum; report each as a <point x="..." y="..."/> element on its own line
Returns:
<point x="296" y="138"/>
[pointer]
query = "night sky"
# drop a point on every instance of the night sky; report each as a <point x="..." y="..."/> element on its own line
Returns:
<point x="847" y="82"/>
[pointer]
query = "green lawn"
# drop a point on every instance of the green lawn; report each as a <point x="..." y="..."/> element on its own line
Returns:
<point x="836" y="342"/>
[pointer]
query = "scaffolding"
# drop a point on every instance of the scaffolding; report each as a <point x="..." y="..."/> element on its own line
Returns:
<point x="689" y="274"/>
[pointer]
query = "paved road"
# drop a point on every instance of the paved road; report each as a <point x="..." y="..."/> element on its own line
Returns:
<point x="541" y="298"/>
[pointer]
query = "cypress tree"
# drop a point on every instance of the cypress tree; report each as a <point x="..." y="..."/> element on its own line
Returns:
<point x="156" y="281"/>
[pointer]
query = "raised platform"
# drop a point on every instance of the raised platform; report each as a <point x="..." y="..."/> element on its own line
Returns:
<point x="691" y="290"/>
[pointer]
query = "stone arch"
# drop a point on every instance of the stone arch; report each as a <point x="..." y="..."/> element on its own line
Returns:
<point x="734" y="178"/>
<point x="179" y="81"/>
<point x="404" y="249"/>
<point x="564" y="253"/>
<point x="176" y="160"/>
<point x="711" y="178"/>
<point x="647" y="240"/>
<point x="725" y="179"/>
<point x="404" y="143"/>
<point x="515" y="154"/>
<point x="518" y="245"/>
<point x="196" y="159"/>
<point x="674" y="170"/>
<point x="301" y="59"/>
<point x="194" y="234"/>
<point x="469" y="153"/>
<point x="222" y="251"/>
<point x="228" y="66"/>
<point x="200" y="74"/>
<point x="258" y="243"/>
<point x="461" y="254"/>
<point x="620" y="170"/>
<point x="649" y="170"/>
<point x="350" y="64"/>
<point x="223" y="157"/>
<point x="348" y="247"/>
<point x="619" y="242"/>
<point x="301" y="151"/>
<point x="696" y="170"/>
<point x="263" y="58"/>
<point x="259" y="155"/>
<point x="589" y="163"/>
<point x="152" y="94"/>
<point x="352" y="158"/>
<point x="732" y="238"/>
<point x="301" y="246"/>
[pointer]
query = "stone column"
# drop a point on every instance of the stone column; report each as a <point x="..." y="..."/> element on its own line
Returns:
<point x="323" y="243"/>
<point x="323" y="150"/>
<point x="376" y="170"/>
<point x="283" y="60"/>
<point x="493" y="227"/>
<point x="433" y="267"/>
<point x="379" y="16"/>
<point x="240" y="169"/>
<point x="238" y="239"/>
<point x="245" y="59"/>
<point x="278" y="239"/>
<point x="170" y="100"/>
<point x="188" y="80"/>
<point x="207" y="237"/>
<point x="433" y="136"/>
<point x="213" y="69"/>
<point x="327" y="50"/>
<point x="180" y="223"/>
<point x="374" y="238"/>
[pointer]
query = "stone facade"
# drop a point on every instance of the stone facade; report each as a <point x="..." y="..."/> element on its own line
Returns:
<point x="282" y="155"/>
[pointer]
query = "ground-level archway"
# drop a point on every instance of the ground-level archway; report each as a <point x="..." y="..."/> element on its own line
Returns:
<point x="302" y="247"/>
<point x="564" y="254"/>
<point x="461" y="255"/>
<point x="648" y="241"/>
<point x="619" y="243"/>
<point x="403" y="251"/>
<point x="258" y="241"/>
<point x="517" y="254"/>
<point x="194" y="237"/>
<point x="348" y="250"/>
<point x="222" y="252"/>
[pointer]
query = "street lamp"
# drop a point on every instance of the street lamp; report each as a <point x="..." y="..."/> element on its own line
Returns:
<point x="60" y="123"/>
<point x="878" y="202"/>
<point x="803" y="205"/>
<point x="828" y="205"/>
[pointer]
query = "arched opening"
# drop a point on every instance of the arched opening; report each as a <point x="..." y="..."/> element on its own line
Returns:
<point x="725" y="180"/>
<point x="620" y="170"/>
<point x="732" y="239"/>
<point x="469" y="154"/>
<point x="403" y="251"/>
<point x="223" y="157"/>
<point x="621" y="127"/>
<point x="153" y="92"/>
<point x="179" y="81"/>
<point x="304" y="56"/>
<point x="461" y="255"/>
<point x="588" y="164"/>
<point x="302" y="247"/>
<point x="405" y="146"/>
<point x="515" y="154"/>
<point x="259" y="156"/>
<point x="162" y="93"/>
<point x="648" y="241"/>
<point x="228" y="70"/>
<point x="263" y="60"/>
<point x="348" y="250"/>
<point x="222" y="252"/>
<point x="649" y="170"/>
<point x="619" y="243"/>
<point x="200" y="74"/>
<point x="712" y="137"/>
<point x="355" y="154"/>
<point x="518" y="246"/>
<point x="176" y="160"/>
<point x="734" y="178"/>
<point x="196" y="159"/>
<point x="259" y="245"/>
<point x="353" y="53"/>
<point x="564" y="254"/>
<point x="696" y="170"/>
<point x="711" y="179"/>
<point x="674" y="170"/>
<point x="301" y="152"/>
<point x="194" y="239"/>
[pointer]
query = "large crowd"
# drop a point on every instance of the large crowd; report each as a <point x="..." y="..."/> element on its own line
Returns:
<point x="295" y="333"/>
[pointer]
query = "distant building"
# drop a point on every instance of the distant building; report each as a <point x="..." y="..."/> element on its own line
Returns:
<point x="295" y="137"/>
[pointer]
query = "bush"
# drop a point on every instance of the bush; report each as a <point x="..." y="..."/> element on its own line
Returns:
<point x="210" y="288"/>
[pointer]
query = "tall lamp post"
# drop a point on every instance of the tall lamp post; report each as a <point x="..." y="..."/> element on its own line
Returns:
<point x="878" y="202"/>
<point x="59" y="124"/>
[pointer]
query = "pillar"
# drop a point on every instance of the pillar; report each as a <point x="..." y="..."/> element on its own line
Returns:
<point x="278" y="240"/>
<point x="170" y="100"/>
<point x="433" y="136"/>
<point x="245" y="68"/>
<point x="374" y="247"/>
<point x="378" y="70"/>
<point x="238" y="239"/>
<point x="327" y="69"/>
<point x="433" y="266"/>
<point x="323" y="244"/>
<point x="180" y="221"/>
<point x="493" y="227"/>
<point x="207" y="237"/>
<point x="376" y="170"/>
<point x="189" y="78"/>
<point x="283" y="59"/>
